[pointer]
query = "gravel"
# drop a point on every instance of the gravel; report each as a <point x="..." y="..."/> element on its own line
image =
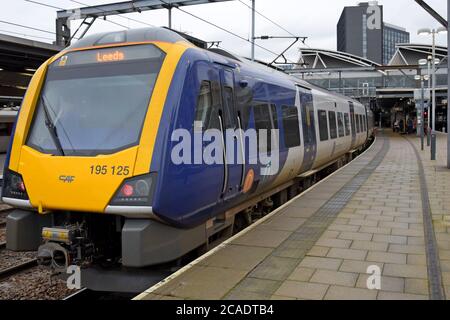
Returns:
<point x="10" y="258"/>
<point x="4" y="211"/>
<point x="34" y="284"/>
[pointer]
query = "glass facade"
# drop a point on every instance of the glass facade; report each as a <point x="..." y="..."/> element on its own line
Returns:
<point x="364" y="29"/>
<point x="391" y="37"/>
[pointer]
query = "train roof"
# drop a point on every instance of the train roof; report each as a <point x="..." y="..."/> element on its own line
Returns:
<point x="129" y="35"/>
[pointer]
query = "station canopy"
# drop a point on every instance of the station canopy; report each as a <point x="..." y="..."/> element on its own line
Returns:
<point x="409" y="54"/>
<point x="19" y="58"/>
<point x="406" y="54"/>
<point x="329" y="59"/>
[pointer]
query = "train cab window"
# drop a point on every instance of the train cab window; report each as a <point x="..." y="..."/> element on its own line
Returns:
<point x="323" y="125"/>
<point x="333" y="129"/>
<point x="290" y="126"/>
<point x="364" y="123"/>
<point x="358" y="130"/>
<point x="340" y="124"/>
<point x="204" y="104"/>
<point x="98" y="100"/>
<point x="347" y="124"/>
<point x="361" y="126"/>
<point x="263" y="121"/>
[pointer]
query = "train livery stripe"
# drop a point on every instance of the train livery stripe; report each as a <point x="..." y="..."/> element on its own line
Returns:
<point x="156" y="106"/>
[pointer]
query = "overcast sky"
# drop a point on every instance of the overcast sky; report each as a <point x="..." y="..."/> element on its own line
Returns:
<point x="315" y="19"/>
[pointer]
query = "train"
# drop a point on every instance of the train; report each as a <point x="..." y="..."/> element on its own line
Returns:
<point x="133" y="149"/>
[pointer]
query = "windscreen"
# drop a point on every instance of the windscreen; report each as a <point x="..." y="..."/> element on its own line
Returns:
<point x="95" y="101"/>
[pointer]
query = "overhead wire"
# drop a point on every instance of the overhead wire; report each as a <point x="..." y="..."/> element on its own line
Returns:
<point x="25" y="26"/>
<point x="223" y="29"/>
<point x="59" y="8"/>
<point x="128" y="18"/>
<point x="25" y="34"/>
<point x="268" y="19"/>
<point x="142" y="22"/>
<point x="275" y="23"/>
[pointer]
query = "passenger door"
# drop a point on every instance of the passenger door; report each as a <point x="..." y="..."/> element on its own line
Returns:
<point x="230" y="120"/>
<point x="309" y="130"/>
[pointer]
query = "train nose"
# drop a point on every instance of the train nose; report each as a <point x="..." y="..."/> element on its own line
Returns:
<point x="53" y="255"/>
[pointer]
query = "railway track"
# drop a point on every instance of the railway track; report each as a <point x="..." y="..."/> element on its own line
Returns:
<point x="15" y="269"/>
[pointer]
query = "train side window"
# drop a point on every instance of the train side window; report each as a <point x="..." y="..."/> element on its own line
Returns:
<point x="347" y="124"/>
<point x="340" y="124"/>
<point x="262" y="121"/>
<point x="229" y="108"/>
<point x="290" y="126"/>
<point x="364" y="123"/>
<point x="273" y="109"/>
<point x="332" y="119"/>
<point x="204" y="104"/>
<point x="323" y="125"/>
<point x="216" y="106"/>
<point x="353" y="123"/>
<point x="357" y="123"/>
<point x="361" y="127"/>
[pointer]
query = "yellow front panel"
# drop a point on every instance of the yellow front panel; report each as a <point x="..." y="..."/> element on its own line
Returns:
<point x="26" y="115"/>
<point x="48" y="187"/>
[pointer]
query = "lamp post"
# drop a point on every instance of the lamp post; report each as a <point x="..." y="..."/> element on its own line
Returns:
<point x="253" y="30"/>
<point x="429" y="58"/>
<point x="422" y="107"/>
<point x="433" y="33"/>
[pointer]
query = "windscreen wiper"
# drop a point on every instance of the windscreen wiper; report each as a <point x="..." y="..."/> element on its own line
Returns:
<point x="51" y="128"/>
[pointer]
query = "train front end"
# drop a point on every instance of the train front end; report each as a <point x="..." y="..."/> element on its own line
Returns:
<point x="78" y="167"/>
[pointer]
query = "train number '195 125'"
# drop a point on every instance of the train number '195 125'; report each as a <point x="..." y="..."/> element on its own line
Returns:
<point x="109" y="170"/>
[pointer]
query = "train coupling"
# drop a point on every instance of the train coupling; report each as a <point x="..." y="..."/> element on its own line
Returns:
<point x="64" y="246"/>
<point x="53" y="255"/>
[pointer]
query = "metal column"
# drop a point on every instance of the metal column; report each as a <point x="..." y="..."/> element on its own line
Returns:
<point x="429" y="105"/>
<point x="422" y="120"/>
<point x="170" y="17"/>
<point x="433" y="91"/>
<point x="448" y="86"/>
<point x="253" y="30"/>
<point x="433" y="99"/>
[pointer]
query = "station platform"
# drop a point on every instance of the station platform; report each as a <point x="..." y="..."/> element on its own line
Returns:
<point x="388" y="208"/>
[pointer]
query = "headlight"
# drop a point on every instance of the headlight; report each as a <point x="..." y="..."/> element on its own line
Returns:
<point x="13" y="186"/>
<point x="135" y="191"/>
